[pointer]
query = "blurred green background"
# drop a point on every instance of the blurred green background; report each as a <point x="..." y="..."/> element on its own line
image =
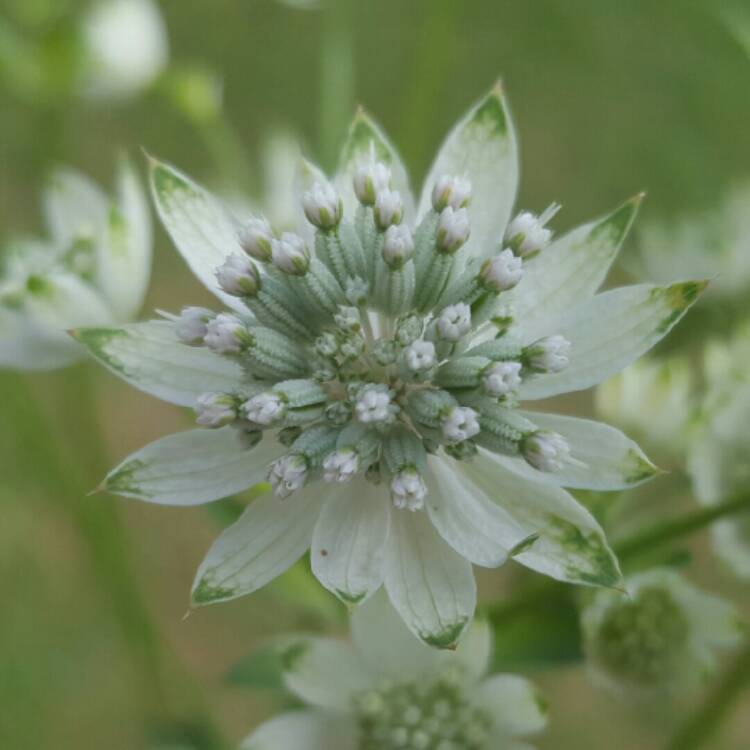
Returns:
<point x="609" y="98"/>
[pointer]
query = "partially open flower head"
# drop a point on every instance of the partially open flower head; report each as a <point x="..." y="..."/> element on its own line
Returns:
<point x="662" y="635"/>
<point x="386" y="691"/>
<point x="91" y="270"/>
<point x="400" y="350"/>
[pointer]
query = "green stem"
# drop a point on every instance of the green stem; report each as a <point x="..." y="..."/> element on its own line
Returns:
<point x="701" y="726"/>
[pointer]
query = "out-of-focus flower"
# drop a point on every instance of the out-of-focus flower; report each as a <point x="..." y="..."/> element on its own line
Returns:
<point x="93" y="269"/>
<point x="714" y="245"/>
<point x="652" y="398"/>
<point x="719" y="455"/>
<point x="387" y="691"/>
<point x="449" y="472"/>
<point x="661" y="635"/>
<point x="126" y="47"/>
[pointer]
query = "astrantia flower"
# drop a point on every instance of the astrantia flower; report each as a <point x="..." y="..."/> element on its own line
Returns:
<point x="386" y="691"/>
<point x="93" y="269"/>
<point x="449" y="471"/>
<point x="662" y="636"/>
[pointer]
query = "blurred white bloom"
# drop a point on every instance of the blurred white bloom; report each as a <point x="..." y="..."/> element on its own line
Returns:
<point x="385" y="690"/>
<point x="126" y="45"/>
<point x="660" y="636"/>
<point x="93" y="270"/>
<point x="215" y="409"/>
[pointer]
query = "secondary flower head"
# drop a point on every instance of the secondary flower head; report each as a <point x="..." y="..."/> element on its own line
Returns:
<point x="91" y="270"/>
<point x="661" y="636"/>
<point x="414" y="362"/>
<point x="386" y="691"/>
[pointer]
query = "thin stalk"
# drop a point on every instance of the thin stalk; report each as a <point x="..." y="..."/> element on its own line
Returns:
<point x="702" y="725"/>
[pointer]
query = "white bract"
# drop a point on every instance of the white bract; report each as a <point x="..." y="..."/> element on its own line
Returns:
<point x="450" y="472"/>
<point x="91" y="270"/>
<point x="383" y="690"/>
<point x="662" y="636"/>
<point x="126" y="46"/>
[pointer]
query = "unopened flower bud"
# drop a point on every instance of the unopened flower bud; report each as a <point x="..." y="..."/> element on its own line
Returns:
<point x="338" y="413"/>
<point x="389" y="209"/>
<point x="327" y="345"/>
<point x="356" y="291"/>
<point x="549" y="354"/>
<point x="265" y="409"/>
<point x="374" y="404"/>
<point x="215" y="409"/>
<point x="453" y="229"/>
<point x="460" y="424"/>
<point x="352" y="347"/>
<point x="502" y="378"/>
<point x="408" y="329"/>
<point x="527" y="234"/>
<point x="420" y="356"/>
<point x="408" y="490"/>
<point x="238" y="276"/>
<point x="370" y="180"/>
<point x="451" y="191"/>
<point x="341" y="465"/>
<point x="226" y="334"/>
<point x="398" y="245"/>
<point x="322" y="205"/>
<point x="255" y="239"/>
<point x="290" y="254"/>
<point x="545" y="450"/>
<point x="454" y="322"/>
<point x="287" y="475"/>
<point x="348" y="319"/>
<point x="192" y="325"/>
<point x="501" y="272"/>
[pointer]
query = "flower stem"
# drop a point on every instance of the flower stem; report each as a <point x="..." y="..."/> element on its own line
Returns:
<point x="702" y="725"/>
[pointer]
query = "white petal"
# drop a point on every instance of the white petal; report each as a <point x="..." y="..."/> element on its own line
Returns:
<point x="193" y="467"/>
<point x="200" y="226"/>
<point x="601" y="457"/>
<point x="27" y="347"/>
<point x="515" y="705"/>
<point x="306" y="175"/>
<point x="431" y="586"/>
<point x="612" y="330"/>
<point x="149" y="357"/>
<point x="323" y="672"/>
<point x="363" y="132"/>
<point x="482" y="146"/>
<point x="569" y="271"/>
<point x="477" y="528"/>
<point x="475" y="649"/>
<point x="385" y="644"/>
<point x="348" y="543"/>
<point x="269" y="537"/>
<point x="304" y="730"/>
<point x="570" y="545"/>
<point x="124" y="261"/>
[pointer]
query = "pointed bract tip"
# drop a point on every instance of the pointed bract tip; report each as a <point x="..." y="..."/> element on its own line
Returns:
<point x="150" y="159"/>
<point x="186" y="615"/>
<point x="498" y="89"/>
<point x="637" y="199"/>
<point x="101" y="487"/>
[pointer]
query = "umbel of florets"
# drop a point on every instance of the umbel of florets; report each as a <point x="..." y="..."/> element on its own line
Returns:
<point x="371" y="368"/>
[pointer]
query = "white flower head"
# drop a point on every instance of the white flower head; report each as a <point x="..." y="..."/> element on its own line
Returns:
<point x="265" y="409"/>
<point x="341" y="465"/>
<point x="408" y="490"/>
<point x="420" y="356"/>
<point x="226" y="334"/>
<point x="370" y="180"/>
<point x="453" y="228"/>
<point x="238" y="276"/>
<point x="288" y="474"/>
<point x="215" y="409"/>
<point x="550" y="354"/>
<point x="374" y="404"/>
<point x="117" y="66"/>
<point x="290" y="254"/>
<point x="546" y="450"/>
<point x="527" y="233"/>
<point x="398" y="245"/>
<point x="454" y="322"/>
<point x="461" y="423"/>
<point x="451" y="191"/>
<point x="255" y="238"/>
<point x="322" y="205"/>
<point x="192" y="325"/>
<point x="502" y="378"/>
<point x="502" y="272"/>
<point x="389" y="208"/>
